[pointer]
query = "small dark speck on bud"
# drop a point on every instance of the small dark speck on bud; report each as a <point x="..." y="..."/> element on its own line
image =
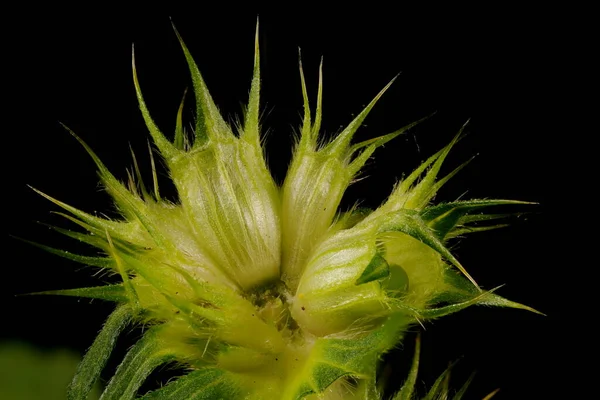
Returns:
<point x="303" y="308"/>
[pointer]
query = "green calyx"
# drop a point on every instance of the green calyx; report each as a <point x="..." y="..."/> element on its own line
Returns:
<point x="263" y="291"/>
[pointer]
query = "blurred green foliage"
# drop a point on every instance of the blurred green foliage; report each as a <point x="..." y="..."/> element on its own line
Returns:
<point x="28" y="373"/>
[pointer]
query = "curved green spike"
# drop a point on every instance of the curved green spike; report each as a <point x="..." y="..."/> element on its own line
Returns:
<point x="319" y="110"/>
<point x="124" y="241"/>
<point x="167" y="149"/>
<point x="437" y="185"/>
<point x="127" y="201"/>
<point x="251" y="122"/>
<point x="306" y="139"/>
<point x="209" y="122"/>
<point x="129" y="204"/>
<point x="138" y="174"/>
<point x="341" y="142"/>
<point x="439" y="390"/>
<point x="371" y="145"/>
<point x="95" y="222"/>
<point x="457" y="232"/>
<point x="116" y="188"/>
<point x="420" y="195"/>
<point x="116" y="293"/>
<point x="179" y="142"/>
<point x="492" y="394"/>
<point x="406" y="183"/>
<point x="154" y="175"/>
<point x="129" y="289"/>
<point x="101" y="262"/>
<point x="459" y="395"/>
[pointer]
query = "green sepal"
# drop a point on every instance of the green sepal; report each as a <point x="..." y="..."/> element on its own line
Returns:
<point x="205" y="384"/>
<point x="457" y="232"/>
<point x="147" y="354"/>
<point x="369" y="146"/>
<point x="251" y="121"/>
<point x="443" y="218"/>
<point x="348" y="219"/>
<point x="332" y="358"/>
<point x="209" y="122"/>
<point x="138" y="182"/>
<point x="459" y="290"/>
<point x="94" y="360"/>
<point x="102" y="262"/>
<point x="461" y="392"/>
<point x="377" y="269"/>
<point x="437" y="312"/>
<point x="90" y="222"/>
<point x="340" y="144"/>
<point x="492" y="394"/>
<point x="440" y="387"/>
<point x="166" y="148"/>
<point x="180" y="138"/>
<point x="114" y="293"/>
<point x="412" y="224"/>
<point x="423" y="192"/>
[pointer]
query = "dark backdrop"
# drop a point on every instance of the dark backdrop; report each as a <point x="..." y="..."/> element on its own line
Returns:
<point x="501" y="68"/>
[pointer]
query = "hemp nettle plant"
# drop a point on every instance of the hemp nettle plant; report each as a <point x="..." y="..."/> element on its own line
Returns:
<point x="271" y="292"/>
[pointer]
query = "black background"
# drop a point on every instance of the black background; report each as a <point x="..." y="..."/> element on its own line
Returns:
<point x="503" y="69"/>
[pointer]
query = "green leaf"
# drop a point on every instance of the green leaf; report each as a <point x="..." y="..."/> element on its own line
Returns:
<point x="90" y="367"/>
<point x="205" y="384"/>
<point x="408" y="387"/>
<point x="147" y="354"/>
